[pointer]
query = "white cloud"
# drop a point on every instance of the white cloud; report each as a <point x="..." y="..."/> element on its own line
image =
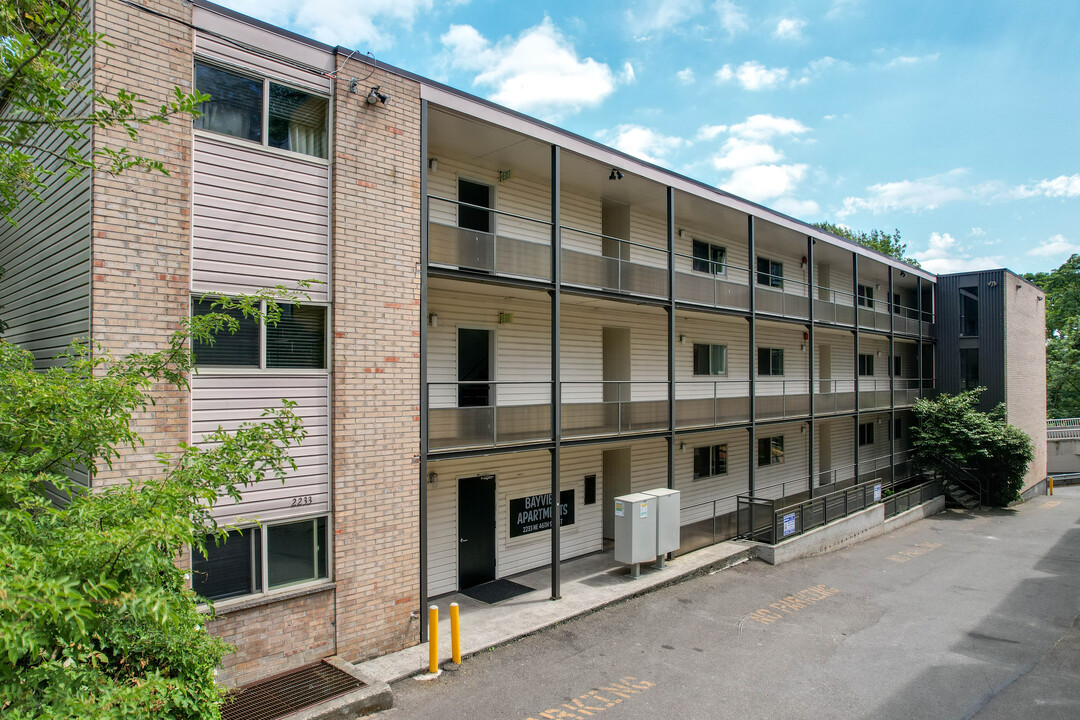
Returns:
<point x="764" y="127"/>
<point x="840" y="8"/>
<point x="789" y="29"/>
<point x="1055" y="245"/>
<point x="538" y="72"/>
<point x="816" y="68"/>
<point x="976" y="232"/>
<point x="685" y="76"/>
<point x="945" y="255"/>
<point x="796" y="208"/>
<point x="369" y="25"/>
<point x="752" y="75"/>
<point x="627" y="75"/>
<point x="765" y="182"/>
<point x="1063" y="186"/>
<point x="756" y="166"/>
<point x="927" y="193"/>
<point x="710" y="132"/>
<point x="641" y="142"/>
<point x="662" y="15"/>
<point x="732" y="18"/>
<point x="907" y="60"/>
<point x="737" y="154"/>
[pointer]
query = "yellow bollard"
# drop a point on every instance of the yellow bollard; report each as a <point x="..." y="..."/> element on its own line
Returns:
<point x="433" y="639"/>
<point x="1050" y="480"/>
<point x="455" y="633"/>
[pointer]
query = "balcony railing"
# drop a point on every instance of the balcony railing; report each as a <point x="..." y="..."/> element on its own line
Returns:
<point x="874" y="314"/>
<point x="907" y="390"/>
<point x="790" y="300"/>
<point x="834" y="306"/>
<point x="929" y="328"/>
<point x="1063" y="429"/>
<point x="874" y="394"/>
<point x="775" y="399"/>
<point x="703" y="403"/>
<point x="716" y="284"/>
<point x="906" y="319"/>
<point x="518" y="246"/>
<point x="488" y="414"/>
<point x="605" y="408"/>
<point x="834" y="396"/>
<point x="608" y="263"/>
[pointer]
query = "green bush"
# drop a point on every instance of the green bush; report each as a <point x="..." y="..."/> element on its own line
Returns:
<point x="950" y="427"/>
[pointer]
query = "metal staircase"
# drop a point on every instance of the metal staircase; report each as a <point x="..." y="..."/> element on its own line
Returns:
<point x="961" y="485"/>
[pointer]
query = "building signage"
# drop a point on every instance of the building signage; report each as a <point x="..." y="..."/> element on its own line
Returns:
<point x="533" y="513"/>
<point x="877" y="493"/>
<point x="789" y="524"/>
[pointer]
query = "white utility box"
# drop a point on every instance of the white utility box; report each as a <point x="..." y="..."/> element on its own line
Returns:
<point x="668" y="507"/>
<point x="635" y="528"/>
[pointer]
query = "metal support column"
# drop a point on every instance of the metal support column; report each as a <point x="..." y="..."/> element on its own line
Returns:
<point x="858" y="400"/>
<point x="919" y="355"/>
<point x="810" y="356"/>
<point x="671" y="337"/>
<point x="423" y="365"/>
<point x="556" y="358"/>
<point x="752" y="333"/>
<point x="892" y="380"/>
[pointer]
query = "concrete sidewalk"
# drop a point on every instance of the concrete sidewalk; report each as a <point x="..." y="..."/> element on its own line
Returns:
<point x="588" y="584"/>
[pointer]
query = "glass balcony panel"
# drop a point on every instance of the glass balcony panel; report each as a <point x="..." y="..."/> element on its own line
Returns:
<point x="610" y="263"/>
<point x="785" y="303"/>
<point x="781" y="399"/>
<point x="727" y="286"/>
<point x="522" y="423"/>
<point x="706" y="404"/>
<point x="834" y="396"/>
<point x="461" y="427"/>
<point x="613" y="408"/>
<point x="522" y="414"/>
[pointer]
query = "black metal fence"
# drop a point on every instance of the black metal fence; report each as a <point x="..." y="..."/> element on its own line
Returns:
<point x="904" y="500"/>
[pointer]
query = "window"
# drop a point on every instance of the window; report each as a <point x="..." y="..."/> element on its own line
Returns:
<point x="897" y="366"/>
<point x="270" y="557"/>
<point x="474" y="218"/>
<point x="866" y="296"/>
<point x="896" y="303"/>
<point x="969" y="368"/>
<point x="866" y="364"/>
<point x="710" y="359"/>
<point x="866" y="434"/>
<point x="770" y="450"/>
<point x="898" y="428"/>
<point x="709" y="258"/>
<point x="770" y="273"/>
<point x="710" y="460"/>
<point x="262" y="111"/>
<point x="770" y="361"/>
<point x="298" y="340"/>
<point x="969" y="311"/>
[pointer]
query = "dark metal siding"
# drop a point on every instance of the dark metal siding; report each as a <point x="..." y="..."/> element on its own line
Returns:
<point x="991" y="339"/>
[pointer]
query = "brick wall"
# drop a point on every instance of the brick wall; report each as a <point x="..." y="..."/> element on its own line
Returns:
<point x="140" y="221"/>
<point x="1025" y="367"/>
<point x="376" y="374"/>
<point x="276" y="637"/>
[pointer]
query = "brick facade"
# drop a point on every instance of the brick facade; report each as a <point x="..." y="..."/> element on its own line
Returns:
<point x="141" y="231"/>
<point x="1025" y="367"/>
<point x="376" y="366"/>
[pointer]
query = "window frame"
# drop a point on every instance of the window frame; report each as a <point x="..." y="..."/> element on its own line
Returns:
<point x="866" y="365"/>
<point x="712" y="454"/>
<point x="866" y="433"/>
<point x="865" y="296"/>
<point x="961" y="355"/>
<point x="773" y="441"/>
<point x="714" y="349"/>
<point x="969" y="299"/>
<point x="713" y="267"/>
<point x="898" y="366"/>
<point x="775" y="278"/>
<point x="264" y="569"/>
<point x="264" y="142"/>
<point x="772" y="362"/>
<point x="262" y="367"/>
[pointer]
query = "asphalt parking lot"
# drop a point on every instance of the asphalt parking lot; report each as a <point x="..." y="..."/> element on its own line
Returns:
<point x="956" y="616"/>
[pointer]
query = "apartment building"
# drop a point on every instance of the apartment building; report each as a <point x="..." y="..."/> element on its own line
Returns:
<point x="507" y="313"/>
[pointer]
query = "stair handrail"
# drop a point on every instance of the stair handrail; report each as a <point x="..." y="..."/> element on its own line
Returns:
<point x="962" y="476"/>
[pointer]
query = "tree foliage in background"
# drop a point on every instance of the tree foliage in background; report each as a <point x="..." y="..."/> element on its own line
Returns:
<point x="42" y="52"/>
<point x="878" y="240"/>
<point x="96" y="619"/>
<point x="949" y="426"/>
<point x="1062" y="287"/>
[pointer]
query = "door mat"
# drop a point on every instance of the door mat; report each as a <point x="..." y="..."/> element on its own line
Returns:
<point x="496" y="591"/>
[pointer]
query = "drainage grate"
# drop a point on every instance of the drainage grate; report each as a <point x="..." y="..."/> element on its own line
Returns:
<point x="288" y="693"/>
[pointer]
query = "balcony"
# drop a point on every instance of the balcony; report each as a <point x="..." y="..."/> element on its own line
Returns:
<point x="488" y="414"/>
<point x="906" y="319"/>
<point x="834" y="396"/>
<point x="779" y="399"/>
<point x="834" y="306"/>
<point x="519" y="247"/>
<point x="874" y="394"/>
<point x="701" y="404"/>
<point x="713" y="284"/>
<point x="907" y="391"/>
<point x="607" y="263"/>
<point x="789" y="300"/>
<point x="613" y="408"/>
<point x="874" y="315"/>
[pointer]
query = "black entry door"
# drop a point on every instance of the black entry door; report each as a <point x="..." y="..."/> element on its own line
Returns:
<point x="476" y="531"/>
<point x="474" y="366"/>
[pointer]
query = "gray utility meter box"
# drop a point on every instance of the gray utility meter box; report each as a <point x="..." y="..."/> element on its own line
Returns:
<point x="668" y="506"/>
<point x="635" y="528"/>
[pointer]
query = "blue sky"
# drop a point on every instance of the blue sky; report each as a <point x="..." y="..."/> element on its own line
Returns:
<point x="955" y="122"/>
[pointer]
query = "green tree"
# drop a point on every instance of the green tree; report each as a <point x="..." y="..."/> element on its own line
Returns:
<point x="1062" y="286"/>
<point x="96" y="617"/>
<point x="878" y="240"/>
<point x="43" y="47"/>
<point x="950" y="427"/>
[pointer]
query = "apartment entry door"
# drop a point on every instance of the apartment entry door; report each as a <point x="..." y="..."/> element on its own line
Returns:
<point x="616" y="483"/>
<point x="825" y="369"/>
<point x="475" y="367"/>
<point x="824" y="452"/>
<point x="476" y="531"/>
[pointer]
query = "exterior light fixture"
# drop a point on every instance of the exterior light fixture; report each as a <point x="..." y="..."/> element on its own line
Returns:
<point x="433" y="164"/>
<point x="615" y="175"/>
<point x="433" y="320"/>
<point x="374" y="96"/>
<point x="433" y="479"/>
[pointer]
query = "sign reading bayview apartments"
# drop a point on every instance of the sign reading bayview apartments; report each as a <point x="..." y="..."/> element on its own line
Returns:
<point x="533" y="513"/>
